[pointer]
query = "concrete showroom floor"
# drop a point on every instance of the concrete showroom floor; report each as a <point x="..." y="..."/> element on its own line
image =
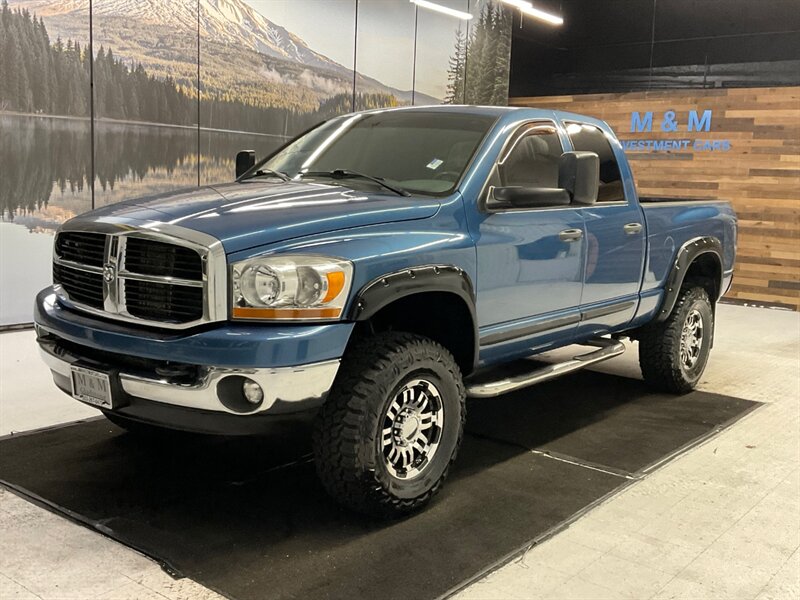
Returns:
<point x="720" y="521"/>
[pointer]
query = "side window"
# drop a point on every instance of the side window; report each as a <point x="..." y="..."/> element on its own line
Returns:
<point x="532" y="160"/>
<point x="591" y="139"/>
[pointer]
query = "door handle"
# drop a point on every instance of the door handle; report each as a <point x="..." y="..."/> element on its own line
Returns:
<point x="570" y="235"/>
<point x="633" y="228"/>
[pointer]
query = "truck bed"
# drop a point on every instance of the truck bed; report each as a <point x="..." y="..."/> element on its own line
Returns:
<point x="671" y="222"/>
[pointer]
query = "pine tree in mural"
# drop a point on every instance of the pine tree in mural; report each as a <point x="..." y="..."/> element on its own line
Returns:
<point x="502" y="56"/>
<point x="478" y="70"/>
<point x="35" y="74"/>
<point x="455" y="71"/>
<point x="44" y="77"/>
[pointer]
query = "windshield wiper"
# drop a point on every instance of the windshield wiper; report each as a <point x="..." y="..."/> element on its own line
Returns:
<point x="346" y="173"/>
<point x="267" y="172"/>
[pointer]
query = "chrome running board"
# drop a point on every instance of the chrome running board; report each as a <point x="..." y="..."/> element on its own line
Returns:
<point x="607" y="348"/>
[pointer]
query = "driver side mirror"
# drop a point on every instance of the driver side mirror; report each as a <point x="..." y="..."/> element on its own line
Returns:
<point x="244" y="161"/>
<point x="578" y="183"/>
<point x="579" y="175"/>
<point x="528" y="197"/>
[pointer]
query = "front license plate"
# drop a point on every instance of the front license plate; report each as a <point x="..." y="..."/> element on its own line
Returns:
<point x="92" y="387"/>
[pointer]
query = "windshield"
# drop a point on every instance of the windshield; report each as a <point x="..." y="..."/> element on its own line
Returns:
<point x="419" y="151"/>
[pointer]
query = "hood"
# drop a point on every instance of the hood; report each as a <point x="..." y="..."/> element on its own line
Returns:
<point x="255" y="213"/>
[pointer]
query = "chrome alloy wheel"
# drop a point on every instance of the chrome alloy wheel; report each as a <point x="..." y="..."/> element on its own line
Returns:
<point x="412" y="429"/>
<point x="691" y="339"/>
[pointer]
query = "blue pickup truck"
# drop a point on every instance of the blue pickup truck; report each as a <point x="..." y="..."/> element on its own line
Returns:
<point x="363" y="279"/>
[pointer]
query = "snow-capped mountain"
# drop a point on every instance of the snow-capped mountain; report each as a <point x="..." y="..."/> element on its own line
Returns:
<point x="235" y="21"/>
<point x="226" y="21"/>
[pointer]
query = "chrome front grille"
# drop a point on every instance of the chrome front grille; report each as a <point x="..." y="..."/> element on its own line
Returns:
<point x="163" y="302"/>
<point x="149" y="257"/>
<point x="82" y="247"/>
<point x="82" y="286"/>
<point x="140" y="276"/>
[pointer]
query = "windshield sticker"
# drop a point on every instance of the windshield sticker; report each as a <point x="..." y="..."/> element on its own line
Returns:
<point x="435" y="164"/>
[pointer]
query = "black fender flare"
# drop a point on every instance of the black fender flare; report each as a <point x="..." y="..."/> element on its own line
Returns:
<point x="383" y="290"/>
<point x="685" y="256"/>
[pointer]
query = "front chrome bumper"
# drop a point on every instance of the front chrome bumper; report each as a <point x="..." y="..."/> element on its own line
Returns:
<point x="286" y="389"/>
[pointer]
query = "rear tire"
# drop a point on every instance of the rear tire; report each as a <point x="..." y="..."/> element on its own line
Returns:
<point x="673" y="354"/>
<point x="388" y="433"/>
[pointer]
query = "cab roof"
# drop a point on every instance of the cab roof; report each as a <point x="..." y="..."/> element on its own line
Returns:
<point x="504" y="114"/>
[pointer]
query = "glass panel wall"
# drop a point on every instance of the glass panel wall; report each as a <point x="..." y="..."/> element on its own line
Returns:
<point x="441" y="40"/>
<point x="275" y="69"/>
<point x="45" y="143"/>
<point x="145" y="104"/>
<point x="265" y="70"/>
<point x="385" y="53"/>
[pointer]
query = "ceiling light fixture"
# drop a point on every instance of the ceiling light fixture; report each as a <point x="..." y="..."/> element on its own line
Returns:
<point x="528" y="9"/>
<point x="443" y="9"/>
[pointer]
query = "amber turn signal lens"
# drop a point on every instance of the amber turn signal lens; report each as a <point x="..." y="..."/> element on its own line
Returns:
<point x="245" y="312"/>
<point x="335" y="285"/>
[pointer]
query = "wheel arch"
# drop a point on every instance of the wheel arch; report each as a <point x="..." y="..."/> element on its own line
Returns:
<point x="436" y="301"/>
<point x="700" y="260"/>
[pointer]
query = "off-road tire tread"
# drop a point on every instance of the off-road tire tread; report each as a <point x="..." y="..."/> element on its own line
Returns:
<point x="659" y="344"/>
<point x="339" y="430"/>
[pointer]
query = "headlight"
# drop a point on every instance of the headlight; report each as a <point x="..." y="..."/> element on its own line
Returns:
<point x="290" y="287"/>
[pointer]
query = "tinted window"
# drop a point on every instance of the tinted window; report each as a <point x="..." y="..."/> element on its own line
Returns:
<point x="532" y="160"/>
<point x="591" y="139"/>
<point x="422" y="151"/>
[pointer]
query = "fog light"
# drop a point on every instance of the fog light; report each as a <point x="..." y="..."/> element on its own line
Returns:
<point x="252" y="391"/>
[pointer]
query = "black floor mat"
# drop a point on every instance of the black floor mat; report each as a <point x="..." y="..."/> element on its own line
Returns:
<point x="611" y="421"/>
<point x="248" y="518"/>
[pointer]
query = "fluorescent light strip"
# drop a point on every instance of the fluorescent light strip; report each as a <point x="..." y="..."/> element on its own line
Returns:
<point x="544" y="16"/>
<point x="528" y="9"/>
<point x="443" y="9"/>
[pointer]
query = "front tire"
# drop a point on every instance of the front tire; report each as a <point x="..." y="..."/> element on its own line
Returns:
<point x="673" y="354"/>
<point x="390" y="429"/>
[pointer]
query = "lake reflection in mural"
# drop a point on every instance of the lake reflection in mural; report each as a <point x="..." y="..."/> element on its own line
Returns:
<point x="46" y="172"/>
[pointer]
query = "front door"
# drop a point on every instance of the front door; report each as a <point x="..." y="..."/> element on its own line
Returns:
<point x="530" y="261"/>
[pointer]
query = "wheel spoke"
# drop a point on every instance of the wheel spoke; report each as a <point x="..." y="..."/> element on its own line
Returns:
<point x="408" y="436"/>
<point x="408" y="456"/>
<point x="691" y="339"/>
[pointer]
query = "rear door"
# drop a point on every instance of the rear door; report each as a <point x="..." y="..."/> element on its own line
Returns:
<point x="530" y="261"/>
<point x="615" y="237"/>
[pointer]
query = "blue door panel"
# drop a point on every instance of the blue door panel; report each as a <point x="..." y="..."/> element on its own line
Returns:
<point x="527" y="275"/>
<point x="614" y="265"/>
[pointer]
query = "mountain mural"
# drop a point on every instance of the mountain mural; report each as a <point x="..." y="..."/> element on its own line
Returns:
<point x="66" y="150"/>
<point x="244" y="56"/>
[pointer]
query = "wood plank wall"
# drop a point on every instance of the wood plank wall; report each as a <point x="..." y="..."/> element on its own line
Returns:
<point x="760" y="174"/>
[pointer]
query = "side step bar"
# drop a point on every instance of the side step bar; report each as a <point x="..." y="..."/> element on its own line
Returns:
<point x="607" y="348"/>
